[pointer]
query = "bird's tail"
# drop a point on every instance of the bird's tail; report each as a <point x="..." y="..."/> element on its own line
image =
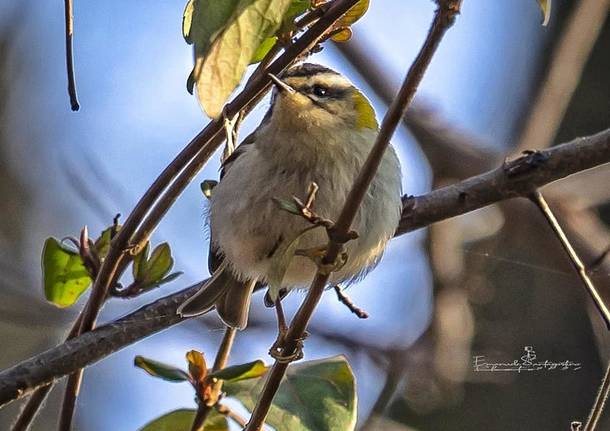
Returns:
<point x="230" y="296"/>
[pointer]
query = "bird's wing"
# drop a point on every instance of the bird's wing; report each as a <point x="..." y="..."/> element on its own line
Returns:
<point x="214" y="259"/>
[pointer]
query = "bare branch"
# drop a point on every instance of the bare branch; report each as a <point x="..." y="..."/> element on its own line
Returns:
<point x="90" y="347"/>
<point x="27" y="415"/>
<point x="517" y="178"/>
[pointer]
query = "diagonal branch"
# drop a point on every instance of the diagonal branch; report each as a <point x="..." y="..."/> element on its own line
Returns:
<point x="421" y="211"/>
<point x="443" y="20"/>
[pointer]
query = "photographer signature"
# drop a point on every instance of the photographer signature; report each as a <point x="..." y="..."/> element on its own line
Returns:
<point x="527" y="362"/>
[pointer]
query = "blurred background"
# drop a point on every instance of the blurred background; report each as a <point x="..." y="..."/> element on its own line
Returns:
<point x="487" y="283"/>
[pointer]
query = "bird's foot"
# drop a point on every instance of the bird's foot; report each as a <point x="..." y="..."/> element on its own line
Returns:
<point x="278" y="349"/>
<point x="317" y="254"/>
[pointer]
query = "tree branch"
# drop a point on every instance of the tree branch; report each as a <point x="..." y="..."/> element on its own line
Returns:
<point x="421" y="211"/>
<point x="517" y="178"/>
<point x="443" y="20"/>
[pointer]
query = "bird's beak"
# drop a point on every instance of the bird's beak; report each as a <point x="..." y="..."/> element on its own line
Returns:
<point x="281" y="85"/>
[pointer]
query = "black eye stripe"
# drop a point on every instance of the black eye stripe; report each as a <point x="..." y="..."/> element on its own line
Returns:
<point x="329" y="92"/>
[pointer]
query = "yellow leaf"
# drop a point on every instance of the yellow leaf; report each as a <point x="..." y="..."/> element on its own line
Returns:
<point x="545" y="7"/>
<point x="197" y="366"/>
<point x="343" y="35"/>
<point x="354" y="14"/>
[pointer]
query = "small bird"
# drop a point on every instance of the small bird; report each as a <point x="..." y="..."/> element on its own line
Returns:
<point x="319" y="129"/>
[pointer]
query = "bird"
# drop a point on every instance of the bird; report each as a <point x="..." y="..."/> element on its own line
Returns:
<point x="319" y="129"/>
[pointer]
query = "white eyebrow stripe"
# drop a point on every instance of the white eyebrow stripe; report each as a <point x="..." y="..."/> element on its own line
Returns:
<point x="330" y="80"/>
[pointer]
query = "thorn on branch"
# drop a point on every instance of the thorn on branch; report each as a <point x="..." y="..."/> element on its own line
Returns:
<point x="346" y="300"/>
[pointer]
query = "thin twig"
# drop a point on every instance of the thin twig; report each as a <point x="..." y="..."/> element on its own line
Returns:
<point x="27" y="415"/>
<point x="346" y="300"/>
<point x="69" y="18"/>
<point x="542" y="205"/>
<point x="443" y="20"/>
<point x="230" y="413"/>
<point x="73" y="384"/>
<point x="222" y="357"/>
<point x="66" y="415"/>
<point x="600" y="402"/>
<point x="418" y="212"/>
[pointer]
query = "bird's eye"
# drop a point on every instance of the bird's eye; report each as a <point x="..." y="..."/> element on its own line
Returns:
<point x="319" y="90"/>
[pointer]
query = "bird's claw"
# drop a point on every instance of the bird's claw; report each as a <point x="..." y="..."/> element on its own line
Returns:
<point x="316" y="254"/>
<point x="277" y="350"/>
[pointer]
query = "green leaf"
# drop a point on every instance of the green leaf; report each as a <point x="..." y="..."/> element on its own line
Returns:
<point x="207" y="187"/>
<point x="64" y="276"/>
<point x="220" y="66"/>
<point x="159" y="265"/>
<point x="203" y="20"/>
<point x="315" y="396"/>
<point x="102" y="244"/>
<point x="297" y="8"/>
<point x="169" y="278"/>
<point x="182" y="420"/>
<point x="159" y="369"/>
<point x="187" y="21"/>
<point x="263" y="49"/>
<point x="140" y="261"/>
<point x="236" y="373"/>
<point x="545" y="7"/>
<point x="197" y="366"/>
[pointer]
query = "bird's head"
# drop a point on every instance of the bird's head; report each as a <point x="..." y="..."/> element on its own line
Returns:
<point x="316" y="96"/>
